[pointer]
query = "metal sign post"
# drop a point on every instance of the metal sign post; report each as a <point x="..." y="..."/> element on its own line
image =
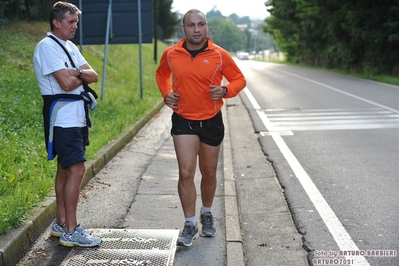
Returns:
<point x="140" y="48"/>
<point x="108" y="29"/>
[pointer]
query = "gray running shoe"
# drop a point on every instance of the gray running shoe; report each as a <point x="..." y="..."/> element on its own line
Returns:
<point x="189" y="233"/>
<point x="79" y="238"/>
<point x="81" y="230"/>
<point x="208" y="229"/>
<point x="57" y="229"/>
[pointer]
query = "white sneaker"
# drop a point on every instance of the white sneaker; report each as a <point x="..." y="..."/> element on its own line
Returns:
<point x="79" y="238"/>
<point x="57" y="229"/>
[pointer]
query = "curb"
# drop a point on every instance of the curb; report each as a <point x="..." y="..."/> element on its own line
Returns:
<point x="18" y="241"/>
<point x="234" y="244"/>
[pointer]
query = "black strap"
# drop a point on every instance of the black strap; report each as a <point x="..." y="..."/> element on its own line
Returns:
<point x="63" y="47"/>
<point x="85" y="85"/>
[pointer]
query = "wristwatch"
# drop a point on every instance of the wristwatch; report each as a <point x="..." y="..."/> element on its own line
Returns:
<point x="80" y="72"/>
<point x="225" y="90"/>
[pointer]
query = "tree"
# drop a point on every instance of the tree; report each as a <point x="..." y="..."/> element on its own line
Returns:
<point x="26" y="9"/>
<point x="358" y="35"/>
<point x="234" y="18"/>
<point x="214" y="13"/>
<point x="166" y="19"/>
<point x="228" y="36"/>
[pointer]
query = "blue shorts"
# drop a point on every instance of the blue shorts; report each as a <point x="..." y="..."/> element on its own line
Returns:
<point x="210" y="131"/>
<point x="70" y="145"/>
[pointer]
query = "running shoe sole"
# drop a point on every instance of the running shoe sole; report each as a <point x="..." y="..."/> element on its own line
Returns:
<point x="182" y="244"/>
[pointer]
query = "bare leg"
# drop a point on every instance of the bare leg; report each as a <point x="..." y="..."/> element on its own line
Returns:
<point x="208" y="162"/>
<point x="67" y="194"/>
<point x="187" y="147"/>
<point x="60" y="179"/>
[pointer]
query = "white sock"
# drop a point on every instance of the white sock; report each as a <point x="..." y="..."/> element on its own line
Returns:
<point x="206" y="209"/>
<point x="190" y="220"/>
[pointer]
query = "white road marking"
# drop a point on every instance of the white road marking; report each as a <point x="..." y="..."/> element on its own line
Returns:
<point x="324" y="119"/>
<point x="340" y="91"/>
<point x="342" y="238"/>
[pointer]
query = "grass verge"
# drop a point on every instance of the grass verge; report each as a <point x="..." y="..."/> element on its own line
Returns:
<point x="26" y="176"/>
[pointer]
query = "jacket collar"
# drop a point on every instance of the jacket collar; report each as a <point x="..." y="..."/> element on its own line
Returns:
<point x="179" y="45"/>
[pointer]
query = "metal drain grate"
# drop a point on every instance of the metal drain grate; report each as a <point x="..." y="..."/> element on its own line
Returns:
<point x="127" y="247"/>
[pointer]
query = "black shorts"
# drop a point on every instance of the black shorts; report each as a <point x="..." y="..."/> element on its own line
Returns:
<point x="210" y="131"/>
<point x="70" y="145"/>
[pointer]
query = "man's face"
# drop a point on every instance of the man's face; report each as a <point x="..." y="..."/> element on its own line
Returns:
<point x="195" y="28"/>
<point x="67" y="26"/>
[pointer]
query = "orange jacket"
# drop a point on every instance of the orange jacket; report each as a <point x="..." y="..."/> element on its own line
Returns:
<point x="191" y="78"/>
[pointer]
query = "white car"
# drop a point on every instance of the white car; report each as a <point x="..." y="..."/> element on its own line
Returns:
<point x="243" y="56"/>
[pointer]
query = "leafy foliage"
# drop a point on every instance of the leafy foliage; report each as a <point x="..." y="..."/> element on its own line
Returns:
<point x="360" y="36"/>
<point x="166" y="20"/>
<point x="226" y="34"/>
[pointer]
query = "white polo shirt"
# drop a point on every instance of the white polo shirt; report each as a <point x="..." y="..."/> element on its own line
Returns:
<point x="48" y="58"/>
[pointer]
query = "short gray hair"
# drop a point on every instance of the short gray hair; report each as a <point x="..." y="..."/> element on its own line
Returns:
<point x="60" y="9"/>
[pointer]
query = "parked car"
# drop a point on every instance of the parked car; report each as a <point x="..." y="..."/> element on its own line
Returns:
<point x="243" y="56"/>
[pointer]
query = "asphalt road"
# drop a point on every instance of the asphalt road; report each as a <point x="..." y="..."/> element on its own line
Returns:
<point x="334" y="143"/>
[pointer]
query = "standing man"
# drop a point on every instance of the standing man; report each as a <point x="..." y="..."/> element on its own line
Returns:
<point x="197" y="66"/>
<point x="66" y="118"/>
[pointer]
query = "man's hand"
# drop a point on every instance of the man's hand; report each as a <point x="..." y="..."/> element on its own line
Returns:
<point x="171" y="99"/>
<point x="217" y="92"/>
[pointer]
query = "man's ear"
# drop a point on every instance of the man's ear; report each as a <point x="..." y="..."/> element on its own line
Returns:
<point x="56" y="23"/>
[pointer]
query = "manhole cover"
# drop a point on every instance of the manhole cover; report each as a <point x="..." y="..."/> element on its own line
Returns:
<point x="127" y="247"/>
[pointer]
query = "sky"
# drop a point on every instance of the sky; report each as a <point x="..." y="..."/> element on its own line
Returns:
<point x="250" y="8"/>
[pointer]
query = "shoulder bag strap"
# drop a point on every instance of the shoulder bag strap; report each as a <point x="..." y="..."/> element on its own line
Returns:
<point x="63" y="47"/>
<point x="85" y="86"/>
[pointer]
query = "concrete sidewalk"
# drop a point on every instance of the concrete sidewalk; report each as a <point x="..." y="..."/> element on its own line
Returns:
<point x="137" y="189"/>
